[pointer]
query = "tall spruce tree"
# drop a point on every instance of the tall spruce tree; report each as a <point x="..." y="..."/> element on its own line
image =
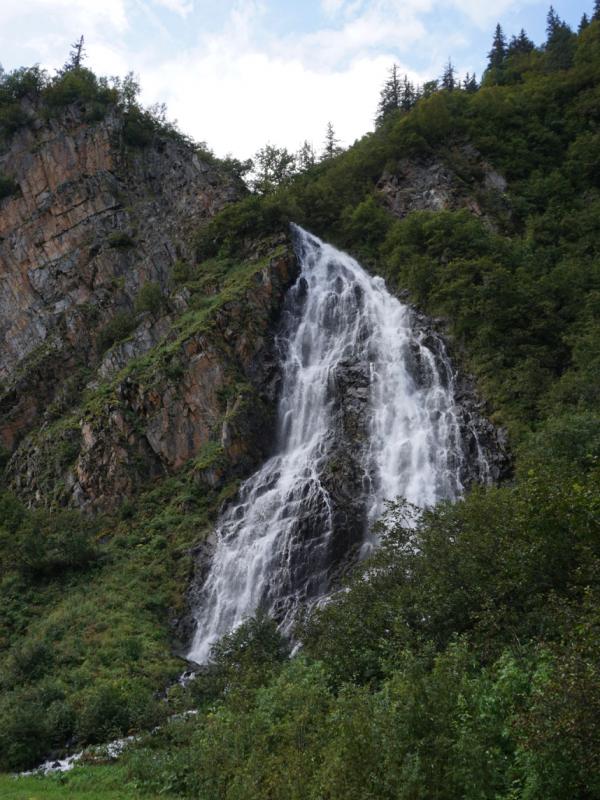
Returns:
<point x="305" y="157"/>
<point x="560" y="42"/>
<point x="584" y="23"/>
<point x="553" y="23"/>
<point x="497" y="54"/>
<point x="331" y="146"/>
<point x="520" y="45"/>
<point x="408" y="95"/>
<point x="470" y="84"/>
<point x="448" y="81"/>
<point x="496" y="57"/>
<point x="596" y="14"/>
<point x="390" y="96"/>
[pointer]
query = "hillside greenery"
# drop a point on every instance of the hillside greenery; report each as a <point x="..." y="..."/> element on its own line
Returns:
<point x="462" y="662"/>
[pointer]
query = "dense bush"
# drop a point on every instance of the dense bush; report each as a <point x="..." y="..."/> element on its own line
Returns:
<point x="42" y="544"/>
<point x="27" y="91"/>
<point x="118" y="328"/>
<point x="78" y="85"/>
<point x="120" y="240"/>
<point x="8" y="186"/>
<point x="150" y="298"/>
<point x="461" y="662"/>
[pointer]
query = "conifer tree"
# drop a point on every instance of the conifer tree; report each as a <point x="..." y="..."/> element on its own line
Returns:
<point x="306" y="156"/>
<point x="585" y="21"/>
<point x="449" y="77"/>
<point x="470" y="84"/>
<point x="520" y="45"/>
<point x="553" y="23"/>
<point x="596" y="14"/>
<point x="560" y="42"/>
<point x="497" y="54"/>
<point x="390" y="96"/>
<point x="76" y="55"/>
<point x="408" y="95"/>
<point x="331" y="146"/>
<point x="496" y="57"/>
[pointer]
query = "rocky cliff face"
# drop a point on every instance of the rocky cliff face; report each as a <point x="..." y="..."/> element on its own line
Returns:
<point x="201" y="398"/>
<point x="93" y="222"/>
<point x="432" y="185"/>
<point x="100" y="395"/>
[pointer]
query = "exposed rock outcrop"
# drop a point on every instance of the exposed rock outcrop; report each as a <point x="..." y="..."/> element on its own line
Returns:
<point x="206" y="395"/>
<point x="432" y="185"/>
<point x="93" y="222"/>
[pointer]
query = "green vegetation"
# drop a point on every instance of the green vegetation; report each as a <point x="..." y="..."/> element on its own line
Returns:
<point x="84" y="617"/>
<point x="83" y="783"/>
<point x="120" y="240"/>
<point x="464" y="662"/>
<point x="118" y="328"/>
<point x="8" y="186"/>
<point x="96" y="97"/>
<point x="150" y="299"/>
<point x="519" y="285"/>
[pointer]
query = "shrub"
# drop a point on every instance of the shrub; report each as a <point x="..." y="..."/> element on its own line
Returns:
<point x="242" y="660"/>
<point x="182" y="271"/>
<point x="139" y="128"/>
<point x="28" y="662"/>
<point x="48" y="544"/>
<point x="120" y="240"/>
<point x="22" y="82"/>
<point x="78" y="85"/>
<point x="119" y="328"/>
<point x="109" y="710"/>
<point x="104" y="714"/>
<point x="8" y="186"/>
<point x="150" y="298"/>
<point x="23" y="735"/>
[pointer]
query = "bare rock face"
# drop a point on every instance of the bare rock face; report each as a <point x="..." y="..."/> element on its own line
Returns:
<point x="94" y="221"/>
<point x="204" y="399"/>
<point x="432" y="185"/>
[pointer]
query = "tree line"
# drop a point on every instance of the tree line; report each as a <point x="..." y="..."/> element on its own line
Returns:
<point x="506" y="61"/>
<point x="273" y="166"/>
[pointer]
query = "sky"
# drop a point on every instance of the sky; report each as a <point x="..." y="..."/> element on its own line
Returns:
<point x="238" y="74"/>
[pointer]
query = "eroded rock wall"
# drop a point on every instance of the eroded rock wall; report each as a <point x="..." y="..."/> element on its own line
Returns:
<point x="201" y="400"/>
<point x="94" y="221"/>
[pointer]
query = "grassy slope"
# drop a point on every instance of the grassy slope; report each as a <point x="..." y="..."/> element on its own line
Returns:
<point x="83" y="783"/>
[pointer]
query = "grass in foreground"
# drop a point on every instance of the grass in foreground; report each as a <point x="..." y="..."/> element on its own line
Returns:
<point x="83" y="783"/>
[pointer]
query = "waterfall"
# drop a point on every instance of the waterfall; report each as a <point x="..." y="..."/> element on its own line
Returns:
<point x="367" y="412"/>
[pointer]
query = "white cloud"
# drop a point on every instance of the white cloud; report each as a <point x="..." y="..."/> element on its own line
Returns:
<point x="236" y="96"/>
<point x="87" y="14"/>
<point x="485" y="14"/>
<point x="332" y="7"/>
<point x="181" y="7"/>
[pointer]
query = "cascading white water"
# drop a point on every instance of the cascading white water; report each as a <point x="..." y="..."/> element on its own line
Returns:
<point x="275" y="542"/>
